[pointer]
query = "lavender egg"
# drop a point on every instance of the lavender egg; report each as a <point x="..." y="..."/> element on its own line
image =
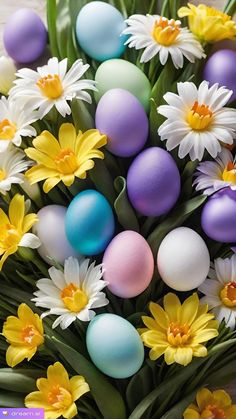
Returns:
<point x="219" y="216"/>
<point x="220" y="68"/>
<point x="153" y="182"/>
<point x="123" y="119"/>
<point x="24" y="36"/>
<point x="128" y="264"/>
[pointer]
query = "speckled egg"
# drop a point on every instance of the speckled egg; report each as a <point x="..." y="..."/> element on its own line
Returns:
<point x="219" y="216"/>
<point x="153" y="182"/>
<point x="51" y="231"/>
<point x="123" y="119"/>
<point x="122" y="74"/>
<point x="89" y="223"/>
<point x="98" y="30"/>
<point x="183" y="259"/>
<point x="128" y="264"/>
<point x="24" y="36"/>
<point x="114" y="346"/>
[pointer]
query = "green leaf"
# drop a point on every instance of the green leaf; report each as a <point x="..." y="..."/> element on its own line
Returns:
<point x="175" y="219"/>
<point x="108" y="399"/>
<point x="62" y="24"/>
<point x="13" y="380"/>
<point x="11" y="400"/>
<point x="81" y="117"/>
<point x="123" y="208"/>
<point x="52" y="30"/>
<point x="103" y="181"/>
<point x="177" y="411"/>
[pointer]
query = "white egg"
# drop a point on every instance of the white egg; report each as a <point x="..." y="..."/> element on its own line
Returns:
<point x="51" y="231"/>
<point x="183" y="259"/>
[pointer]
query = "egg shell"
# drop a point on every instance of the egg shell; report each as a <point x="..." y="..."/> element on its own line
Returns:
<point x="89" y="222"/>
<point x="183" y="259"/>
<point x="219" y="216"/>
<point x="122" y="74"/>
<point x="123" y="119"/>
<point x="128" y="264"/>
<point x="153" y="182"/>
<point x="24" y="36"/>
<point x="51" y="231"/>
<point x="220" y="68"/>
<point x="98" y="30"/>
<point x="114" y="346"/>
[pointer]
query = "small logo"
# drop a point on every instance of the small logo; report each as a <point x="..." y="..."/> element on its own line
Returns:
<point x="5" y="413"/>
<point x="22" y="413"/>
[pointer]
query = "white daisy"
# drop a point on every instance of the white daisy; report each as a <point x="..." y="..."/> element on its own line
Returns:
<point x="211" y="176"/>
<point x="7" y="74"/>
<point x="220" y="290"/>
<point x="72" y="294"/>
<point x="15" y="123"/>
<point x="51" y="85"/>
<point x="12" y="164"/>
<point x="197" y="120"/>
<point x="159" y="35"/>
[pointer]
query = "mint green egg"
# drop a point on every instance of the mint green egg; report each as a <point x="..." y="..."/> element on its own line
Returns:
<point x="117" y="73"/>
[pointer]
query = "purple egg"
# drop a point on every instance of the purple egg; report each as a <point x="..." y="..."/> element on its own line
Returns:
<point x="219" y="216"/>
<point x="122" y="118"/>
<point x="153" y="182"/>
<point x="220" y="68"/>
<point x="24" y="36"/>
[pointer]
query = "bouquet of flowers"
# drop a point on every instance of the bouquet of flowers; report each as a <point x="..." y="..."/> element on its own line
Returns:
<point x="118" y="210"/>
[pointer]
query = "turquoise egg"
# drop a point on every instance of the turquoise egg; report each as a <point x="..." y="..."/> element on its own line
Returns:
<point x="98" y="29"/>
<point x="89" y="223"/>
<point x="114" y="346"/>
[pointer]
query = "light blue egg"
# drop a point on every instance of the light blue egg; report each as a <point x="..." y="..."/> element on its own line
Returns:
<point x="98" y="29"/>
<point x="114" y="346"/>
<point x="89" y="223"/>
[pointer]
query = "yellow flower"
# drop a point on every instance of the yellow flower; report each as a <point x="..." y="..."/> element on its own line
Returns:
<point x="24" y="333"/>
<point x="72" y="156"/>
<point x="210" y="405"/>
<point x="207" y="23"/>
<point x="57" y="393"/>
<point x="178" y="331"/>
<point x="14" y="227"/>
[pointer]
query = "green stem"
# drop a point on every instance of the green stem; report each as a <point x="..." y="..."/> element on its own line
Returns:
<point x="123" y="9"/>
<point x="230" y="7"/>
<point x="40" y="265"/>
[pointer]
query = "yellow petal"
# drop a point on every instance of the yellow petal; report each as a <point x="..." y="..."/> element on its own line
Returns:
<point x="189" y="309"/>
<point x="191" y="413"/>
<point x="9" y="252"/>
<point x="81" y="172"/>
<point x="67" y="136"/>
<point x="3" y="218"/>
<point x="57" y="374"/>
<point x="184" y="11"/>
<point x="199" y="351"/>
<point x="28" y="222"/>
<point x="89" y="140"/>
<point x="151" y="323"/>
<point x="37" y="173"/>
<point x="204" y="397"/>
<point x="16" y="354"/>
<point x="205" y="335"/>
<point x="153" y="338"/>
<point x="231" y="412"/>
<point x="71" y="412"/>
<point x="78" y="387"/>
<point x="184" y="356"/>
<point x="40" y="158"/>
<point x="37" y="400"/>
<point x="223" y="399"/>
<point x="17" y="211"/>
<point x="156" y="352"/>
<point x="170" y="355"/>
<point x="43" y="386"/>
<point x="201" y="322"/>
<point x="47" y="143"/>
<point x="68" y="180"/>
<point x="172" y="306"/>
<point x="159" y="315"/>
<point x="50" y="183"/>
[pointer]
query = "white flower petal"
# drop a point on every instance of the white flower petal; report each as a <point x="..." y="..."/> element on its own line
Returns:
<point x="30" y="240"/>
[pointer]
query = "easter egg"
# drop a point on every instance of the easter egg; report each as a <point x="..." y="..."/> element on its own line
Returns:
<point x="89" y="222"/>
<point x="219" y="216"/>
<point x="128" y="264"/>
<point x="183" y="259"/>
<point x="225" y="74"/>
<point x="98" y="30"/>
<point x="153" y="182"/>
<point x="122" y="74"/>
<point x="24" y="36"/>
<point x="114" y="346"/>
<point x="123" y="119"/>
<point x="50" y="229"/>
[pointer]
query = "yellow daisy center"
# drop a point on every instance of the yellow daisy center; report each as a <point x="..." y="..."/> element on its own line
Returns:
<point x="228" y="294"/>
<point x="74" y="298"/>
<point x="199" y="117"/>
<point x="2" y="174"/>
<point x="229" y="174"/>
<point x="178" y="334"/>
<point x="7" y="130"/>
<point x="165" y="31"/>
<point x="50" y="86"/>
<point x="59" y="397"/>
<point x="31" y="336"/>
<point x="66" y="161"/>
<point x="213" y="412"/>
<point x="9" y="237"/>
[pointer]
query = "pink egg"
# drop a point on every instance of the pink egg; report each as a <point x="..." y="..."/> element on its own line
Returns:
<point x="128" y="264"/>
